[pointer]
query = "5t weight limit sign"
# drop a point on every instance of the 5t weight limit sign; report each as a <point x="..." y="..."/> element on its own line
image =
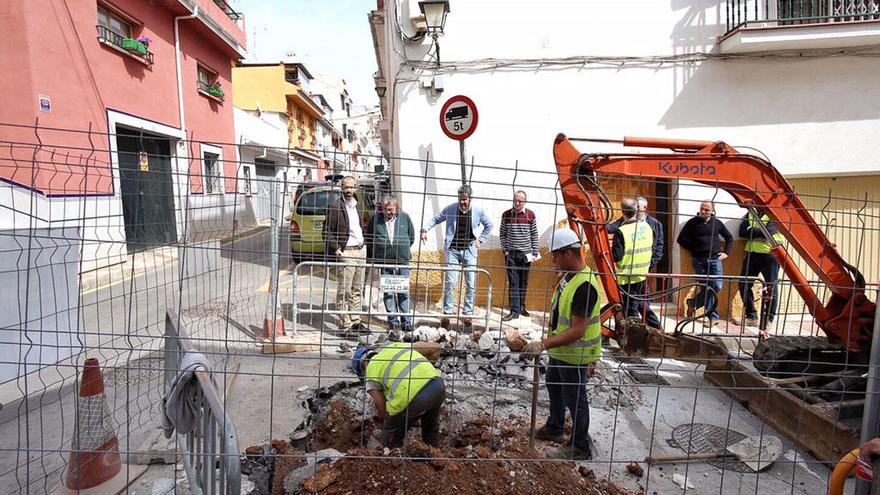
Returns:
<point x="458" y="117"/>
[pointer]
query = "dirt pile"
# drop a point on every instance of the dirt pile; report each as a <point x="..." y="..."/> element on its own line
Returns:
<point x="485" y="457"/>
<point x="341" y="429"/>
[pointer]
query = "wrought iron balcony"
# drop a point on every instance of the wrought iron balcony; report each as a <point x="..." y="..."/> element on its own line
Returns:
<point x="230" y="13"/>
<point x="772" y="13"/>
<point x="210" y="90"/>
<point x="117" y="41"/>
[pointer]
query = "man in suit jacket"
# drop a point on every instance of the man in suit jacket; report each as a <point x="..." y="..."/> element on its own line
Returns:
<point x="389" y="238"/>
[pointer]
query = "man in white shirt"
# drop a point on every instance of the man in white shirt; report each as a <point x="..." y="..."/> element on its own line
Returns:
<point x="344" y="243"/>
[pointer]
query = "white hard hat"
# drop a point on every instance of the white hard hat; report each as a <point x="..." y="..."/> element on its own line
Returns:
<point x="564" y="238"/>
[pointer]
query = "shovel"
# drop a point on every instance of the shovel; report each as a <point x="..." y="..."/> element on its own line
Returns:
<point x="755" y="452"/>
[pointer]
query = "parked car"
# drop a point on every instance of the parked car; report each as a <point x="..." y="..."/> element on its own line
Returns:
<point x="309" y="211"/>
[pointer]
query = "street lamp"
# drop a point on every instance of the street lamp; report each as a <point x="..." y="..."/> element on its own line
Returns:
<point x="435" y="14"/>
<point x="435" y="18"/>
<point x="380" y="90"/>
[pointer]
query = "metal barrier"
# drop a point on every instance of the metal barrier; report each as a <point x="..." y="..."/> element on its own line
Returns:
<point x="369" y="286"/>
<point x="214" y="433"/>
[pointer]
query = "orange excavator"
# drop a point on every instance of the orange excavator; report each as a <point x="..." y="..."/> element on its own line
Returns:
<point x="847" y="317"/>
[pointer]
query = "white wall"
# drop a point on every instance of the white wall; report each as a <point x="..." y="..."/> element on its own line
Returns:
<point x="808" y="115"/>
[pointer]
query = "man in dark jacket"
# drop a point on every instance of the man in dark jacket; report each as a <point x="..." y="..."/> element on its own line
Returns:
<point x="344" y="243"/>
<point x="701" y="236"/>
<point x="389" y="238"/>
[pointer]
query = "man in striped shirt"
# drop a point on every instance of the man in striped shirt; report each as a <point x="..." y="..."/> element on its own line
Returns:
<point x="519" y="242"/>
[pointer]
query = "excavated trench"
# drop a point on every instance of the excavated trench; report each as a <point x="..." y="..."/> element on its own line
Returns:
<point x="484" y="430"/>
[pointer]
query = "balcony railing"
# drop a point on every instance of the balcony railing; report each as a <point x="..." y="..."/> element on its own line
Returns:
<point x="767" y="13"/>
<point x="209" y="90"/>
<point x="117" y="41"/>
<point x="230" y="13"/>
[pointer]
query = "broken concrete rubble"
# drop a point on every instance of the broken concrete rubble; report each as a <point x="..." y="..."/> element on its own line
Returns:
<point x="314" y="461"/>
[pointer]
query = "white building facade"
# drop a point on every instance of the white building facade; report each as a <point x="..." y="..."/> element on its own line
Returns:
<point x="802" y="92"/>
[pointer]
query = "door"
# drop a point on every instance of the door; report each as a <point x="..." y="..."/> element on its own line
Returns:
<point x="265" y="170"/>
<point x="146" y="189"/>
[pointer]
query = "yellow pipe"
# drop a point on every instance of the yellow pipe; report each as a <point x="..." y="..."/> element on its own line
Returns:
<point x="842" y="471"/>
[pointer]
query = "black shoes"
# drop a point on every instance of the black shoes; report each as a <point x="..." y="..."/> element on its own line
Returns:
<point x="509" y="316"/>
<point x="524" y="313"/>
<point x="359" y="328"/>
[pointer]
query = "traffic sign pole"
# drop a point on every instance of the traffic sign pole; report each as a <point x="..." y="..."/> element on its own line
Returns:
<point x="463" y="166"/>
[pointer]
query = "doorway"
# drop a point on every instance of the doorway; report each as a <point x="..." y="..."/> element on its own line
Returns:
<point x="146" y="189"/>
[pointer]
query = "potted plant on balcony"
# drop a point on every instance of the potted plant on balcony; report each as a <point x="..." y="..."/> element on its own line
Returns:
<point x="138" y="46"/>
<point x="214" y="89"/>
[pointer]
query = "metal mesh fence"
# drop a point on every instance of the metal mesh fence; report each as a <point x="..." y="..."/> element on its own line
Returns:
<point x="109" y="236"/>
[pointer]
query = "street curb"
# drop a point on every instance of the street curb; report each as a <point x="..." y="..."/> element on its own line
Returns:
<point x="242" y="235"/>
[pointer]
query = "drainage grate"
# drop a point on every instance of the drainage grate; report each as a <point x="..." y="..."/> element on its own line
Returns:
<point x="639" y="369"/>
<point x="702" y="438"/>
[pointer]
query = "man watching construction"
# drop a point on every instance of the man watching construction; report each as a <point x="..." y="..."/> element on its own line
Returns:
<point x="404" y="386"/>
<point x="519" y="242"/>
<point x="702" y="236"/>
<point x="344" y="242"/>
<point x="463" y="239"/>
<point x="574" y="343"/>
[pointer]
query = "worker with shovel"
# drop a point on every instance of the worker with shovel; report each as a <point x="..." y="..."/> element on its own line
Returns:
<point x="574" y="343"/>
<point x="404" y="386"/>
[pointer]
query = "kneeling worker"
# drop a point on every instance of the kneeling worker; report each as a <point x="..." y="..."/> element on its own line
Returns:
<point x="405" y="386"/>
<point x="574" y="343"/>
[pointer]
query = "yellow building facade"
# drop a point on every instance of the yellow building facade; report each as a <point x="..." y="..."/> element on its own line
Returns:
<point x="280" y="88"/>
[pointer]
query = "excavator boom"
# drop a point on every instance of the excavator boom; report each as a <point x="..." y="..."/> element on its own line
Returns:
<point x="847" y="317"/>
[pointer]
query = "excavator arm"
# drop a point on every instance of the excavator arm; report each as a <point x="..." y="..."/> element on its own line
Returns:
<point x="846" y="318"/>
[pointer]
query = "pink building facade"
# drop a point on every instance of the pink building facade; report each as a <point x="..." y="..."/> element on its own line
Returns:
<point x="98" y="125"/>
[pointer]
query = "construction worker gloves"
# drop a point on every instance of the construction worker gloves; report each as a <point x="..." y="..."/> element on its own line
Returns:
<point x="533" y="349"/>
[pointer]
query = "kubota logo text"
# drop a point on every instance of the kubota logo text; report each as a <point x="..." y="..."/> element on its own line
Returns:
<point x="682" y="168"/>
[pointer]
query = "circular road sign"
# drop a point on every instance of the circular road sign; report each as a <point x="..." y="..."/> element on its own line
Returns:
<point x="458" y="117"/>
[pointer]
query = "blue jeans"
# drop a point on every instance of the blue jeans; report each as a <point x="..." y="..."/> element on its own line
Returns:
<point x="459" y="257"/>
<point x="706" y="298"/>
<point x="766" y="265"/>
<point x="567" y="386"/>
<point x="397" y="302"/>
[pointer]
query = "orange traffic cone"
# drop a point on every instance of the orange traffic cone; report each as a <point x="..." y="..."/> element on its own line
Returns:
<point x="94" y="465"/>
<point x="273" y="328"/>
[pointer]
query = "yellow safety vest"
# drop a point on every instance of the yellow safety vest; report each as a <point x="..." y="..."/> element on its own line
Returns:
<point x="761" y="245"/>
<point x="589" y="348"/>
<point x="638" y="243"/>
<point x="402" y="371"/>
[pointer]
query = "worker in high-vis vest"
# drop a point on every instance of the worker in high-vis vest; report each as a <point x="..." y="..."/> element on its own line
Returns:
<point x="574" y="344"/>
<point x="758" y="260"/>
<point x="632" y="246"/>
<point x="405" y="386"/>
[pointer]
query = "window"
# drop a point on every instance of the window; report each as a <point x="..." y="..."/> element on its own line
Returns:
<point x="247" y="181"/>
<point x="208" y="84"/>
<point x="292" y="76"/>
<point x="212" y="173"/>
<point x="113" y="23"/>
<point x="206" y="76"/>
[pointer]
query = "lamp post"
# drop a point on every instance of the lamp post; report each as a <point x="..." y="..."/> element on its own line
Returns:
<point x="435" y="17"/>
